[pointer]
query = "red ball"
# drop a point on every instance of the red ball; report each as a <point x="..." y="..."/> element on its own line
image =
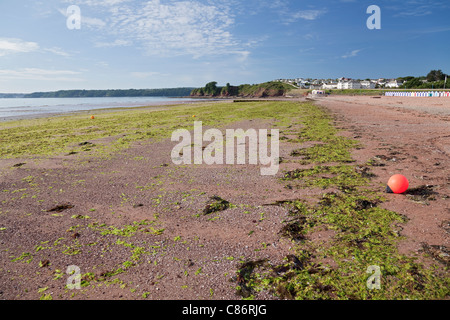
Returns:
<point x="397" y="184"/>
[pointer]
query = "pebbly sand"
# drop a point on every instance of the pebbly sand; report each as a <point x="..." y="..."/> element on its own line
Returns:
<point x="195" y="257"/>
<point x="414" y="133"/>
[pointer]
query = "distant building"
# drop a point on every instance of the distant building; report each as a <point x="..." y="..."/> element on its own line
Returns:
<point x="330" y="86"/>
<point x="315" y="86"/>
<point x="367" y="85"/>
<point x="341" y="83"/>
<point x="394" y="84"/>
<point x="352" y="84"/>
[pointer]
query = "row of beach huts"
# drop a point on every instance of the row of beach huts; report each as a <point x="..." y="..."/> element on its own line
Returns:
<point x="418" y="94"/>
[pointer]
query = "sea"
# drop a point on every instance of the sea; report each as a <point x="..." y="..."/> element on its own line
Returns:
<point x="19" y="108"/>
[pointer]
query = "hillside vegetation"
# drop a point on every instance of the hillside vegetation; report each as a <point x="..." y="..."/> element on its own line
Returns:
<point x="171" y="92"/>
<point x="267" y="89"/>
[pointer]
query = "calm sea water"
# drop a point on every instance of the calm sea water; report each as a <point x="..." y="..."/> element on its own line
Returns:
<point x="18" y="107"/>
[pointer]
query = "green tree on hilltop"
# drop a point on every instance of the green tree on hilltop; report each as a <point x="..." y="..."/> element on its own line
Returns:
<point x="413" y="83"/>
<point x="435" y="75"/>
<point x="211" y="89"/>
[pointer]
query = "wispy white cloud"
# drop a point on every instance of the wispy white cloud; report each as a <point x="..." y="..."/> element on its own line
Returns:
<point x="14" y="45"/>
<point x="58" y="51"/>
<point x="416" y="8"/>
<point x="242" y="56"/>
<point x="92" y="22"/>
<point x="352" y="54"/>
<point x="183" y="27"/>
<point x="306" y="50"/>
<point x="9" y="46"/>
<point x="415" y="12"/>
<point x="116" y="43"/>
<point x="144" y="75"/>
<point x="256" y="41"/>
<point x="433" y="30"/>
<point x="305" y="15"/>
<point x="164" y="28"/>
<point x="40" y="74"/>
<point x="287" y="15"/>
<point x="102" y="64"/>
<point x="310" y="36"/>
<point x="86" y="21"/>
<point x="95" y="3"/>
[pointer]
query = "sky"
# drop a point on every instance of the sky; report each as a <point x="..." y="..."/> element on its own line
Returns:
<point x="122" y="44"/>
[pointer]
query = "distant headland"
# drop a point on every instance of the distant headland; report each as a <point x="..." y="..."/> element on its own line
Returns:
<point x="169" y="92"/>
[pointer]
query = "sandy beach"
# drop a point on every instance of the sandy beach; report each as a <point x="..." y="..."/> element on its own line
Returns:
<point x="415" y="135"/>
<point x="431" y="105"/>
<point x="157" y="105"/>
<point x="135" y="224"/>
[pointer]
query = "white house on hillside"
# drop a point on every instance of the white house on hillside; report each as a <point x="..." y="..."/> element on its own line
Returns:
<point x="367" y="85"/>
<point x="315" y="86"/>
<point x="352" y="84"/>
<point x="394" y="84"/>
<point x="329" y="86"/>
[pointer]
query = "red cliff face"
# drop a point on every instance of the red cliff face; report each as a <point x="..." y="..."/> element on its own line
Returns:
<point x="263" y="90"/>
<point x="260" y="93"/>
<point x="265" y="93"/>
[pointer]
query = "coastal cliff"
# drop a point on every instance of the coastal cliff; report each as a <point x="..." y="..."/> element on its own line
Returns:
<point x="263" y="90"/>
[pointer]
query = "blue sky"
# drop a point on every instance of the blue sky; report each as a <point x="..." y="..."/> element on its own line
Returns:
<point x="170" y="43"/>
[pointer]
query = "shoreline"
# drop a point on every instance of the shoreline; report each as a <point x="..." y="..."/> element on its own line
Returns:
<point x="156" y="105"/>
<point x="430" y="105"/>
